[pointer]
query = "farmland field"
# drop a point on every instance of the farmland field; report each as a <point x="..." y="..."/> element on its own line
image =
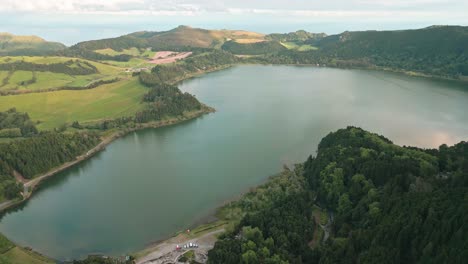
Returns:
<point x="23" y="80"/>
<point x="53" y="109"/>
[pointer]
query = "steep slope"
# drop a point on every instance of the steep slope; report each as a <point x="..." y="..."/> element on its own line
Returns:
<point x="27" y="45"/>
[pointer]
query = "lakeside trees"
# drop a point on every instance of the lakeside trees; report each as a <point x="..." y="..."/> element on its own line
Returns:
<point x="166" y="100"/>
<point x="389" y="204"/>
<point x="39" y="154"/>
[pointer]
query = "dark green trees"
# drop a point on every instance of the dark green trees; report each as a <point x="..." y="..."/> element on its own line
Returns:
<point x="16" y="124"/>
<point x="388" y="204"/>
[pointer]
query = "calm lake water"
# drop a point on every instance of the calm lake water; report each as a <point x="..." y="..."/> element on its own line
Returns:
<point x="152" y="183"/>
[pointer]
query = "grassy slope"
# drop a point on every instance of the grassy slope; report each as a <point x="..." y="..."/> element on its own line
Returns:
<point x="46" y="80"/>
<point x="18" y="255"/>
<point x="55" y="108"/>
<point x="10" y="43"/>
<point x="11" y="254"/>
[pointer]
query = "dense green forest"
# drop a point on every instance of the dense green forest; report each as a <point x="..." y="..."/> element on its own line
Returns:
<point x="16" y="124"/>
<point x="386" y="204"/>
<point x="39" y="154"/>
<point x="257" y="48"/>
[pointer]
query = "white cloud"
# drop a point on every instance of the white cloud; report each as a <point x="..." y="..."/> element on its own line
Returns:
<point x="272" y="7"/>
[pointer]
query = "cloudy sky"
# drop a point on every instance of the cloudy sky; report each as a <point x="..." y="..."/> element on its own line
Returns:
<point x="70" y="21"/>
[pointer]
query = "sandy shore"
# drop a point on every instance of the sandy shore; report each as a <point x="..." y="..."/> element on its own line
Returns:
<point x="166" y="252"/>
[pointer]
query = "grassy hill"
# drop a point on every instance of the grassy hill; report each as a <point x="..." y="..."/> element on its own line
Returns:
<point x="177" y="38"/>
<point x="27" y="45"/>
<point x="53" y="109"/>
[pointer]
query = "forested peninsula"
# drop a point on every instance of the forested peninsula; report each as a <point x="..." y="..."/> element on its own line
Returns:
<point x="361" y="199"/>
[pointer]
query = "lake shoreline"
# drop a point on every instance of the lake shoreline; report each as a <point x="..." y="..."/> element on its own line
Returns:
<point x="154" y="125"/>
<point x="370" y="68"/>
<point x="32" y="184"/>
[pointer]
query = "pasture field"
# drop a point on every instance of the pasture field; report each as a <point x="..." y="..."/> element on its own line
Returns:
<point x="18" y="255"/>
<point x="53" y="109"/>
<point x="21" y="80"/>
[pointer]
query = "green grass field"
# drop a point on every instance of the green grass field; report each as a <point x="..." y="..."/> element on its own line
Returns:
<point x="18" y="255"/>
<point x="54" y="109"/>
<point x="48" y="80"/>
<point x="11" y="254"/>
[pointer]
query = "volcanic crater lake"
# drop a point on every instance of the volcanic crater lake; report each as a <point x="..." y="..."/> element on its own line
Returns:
<point x="151" y="183"/>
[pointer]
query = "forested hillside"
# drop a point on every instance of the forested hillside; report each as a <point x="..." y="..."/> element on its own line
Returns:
<point x="440" y="51"/>
<point x="39" y="154"/>
<point x="386" y="204"/>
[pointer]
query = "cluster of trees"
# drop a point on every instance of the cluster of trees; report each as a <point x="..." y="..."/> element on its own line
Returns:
<point x="9" y="188"/>
<point x="258" y="48"/>
<point x="39" y="154"/>
<point x="164" y="101"/>
<point x="70" y="67"/>
<point x="271" y="224"/>
<point x="16" y="124"/>
<point x="171" y="73"/>
<point x="389" y="204"/>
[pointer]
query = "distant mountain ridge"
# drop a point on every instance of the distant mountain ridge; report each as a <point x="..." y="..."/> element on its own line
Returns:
<point x="27" y="45"/>
<point x="440" y="51"/>
<point x="180" y="37"/>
